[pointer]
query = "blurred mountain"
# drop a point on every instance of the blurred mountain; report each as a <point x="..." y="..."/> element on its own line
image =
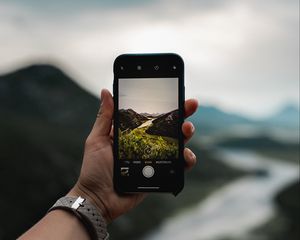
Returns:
<point x="216" y="117"/>
<point x="214" y="123"/>
<point x="46" y="93"/>
<point x="212" y="120"/>
<point x="287" y="117"/>
<point x="45" y="118"/>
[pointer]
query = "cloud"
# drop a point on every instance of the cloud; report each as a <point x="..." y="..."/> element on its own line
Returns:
<point x="240" y="55"/>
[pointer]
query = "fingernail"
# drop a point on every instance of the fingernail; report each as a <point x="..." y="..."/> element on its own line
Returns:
<point x="193" y="128"/>
<point x="192" y="155"/>
<point x="101" y="98"/>
<point x="101" y="95"/>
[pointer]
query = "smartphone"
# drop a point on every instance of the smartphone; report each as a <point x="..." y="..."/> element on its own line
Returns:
<point x="148" y="116"/>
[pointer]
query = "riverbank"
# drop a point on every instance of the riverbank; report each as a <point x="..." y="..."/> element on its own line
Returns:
<point x="238" y="207"/>
<point x="264" y="145"/>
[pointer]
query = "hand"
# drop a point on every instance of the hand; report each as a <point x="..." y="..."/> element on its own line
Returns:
<point x="96" y="178"/>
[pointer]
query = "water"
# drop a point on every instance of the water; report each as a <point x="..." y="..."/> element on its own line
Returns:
<point x="236" y="208"/>
<point x="145" y="124"/>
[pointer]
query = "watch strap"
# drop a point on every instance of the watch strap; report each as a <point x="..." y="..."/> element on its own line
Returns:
<point x="87" y="213"/>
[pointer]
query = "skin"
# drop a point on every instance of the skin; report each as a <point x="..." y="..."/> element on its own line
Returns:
<point x="95" y="182"/>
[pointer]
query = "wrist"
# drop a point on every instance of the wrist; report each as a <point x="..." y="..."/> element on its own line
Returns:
<point x="79" y="190"/>
<point x="86" y="212"/>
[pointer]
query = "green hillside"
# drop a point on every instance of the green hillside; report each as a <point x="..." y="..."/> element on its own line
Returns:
<point x="137" y="144"/>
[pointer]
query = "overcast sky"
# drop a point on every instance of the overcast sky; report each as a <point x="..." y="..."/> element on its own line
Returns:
<point x="242" y="56"/>
<point x="148" y="95"/>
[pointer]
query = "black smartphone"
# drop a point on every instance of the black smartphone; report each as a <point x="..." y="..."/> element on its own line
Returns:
<point x="148" y="116"/>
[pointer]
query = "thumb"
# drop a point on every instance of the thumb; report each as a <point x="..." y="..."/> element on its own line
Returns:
<point x="102" y="125"/>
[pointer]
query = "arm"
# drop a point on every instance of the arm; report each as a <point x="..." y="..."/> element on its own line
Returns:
<point x="58" y="224"/>
<point x="95" y="182"/>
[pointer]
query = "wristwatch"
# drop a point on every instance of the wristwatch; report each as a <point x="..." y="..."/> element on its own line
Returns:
<point x="87" y="213"/>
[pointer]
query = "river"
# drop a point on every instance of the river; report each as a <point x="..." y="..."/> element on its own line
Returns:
<point x="236" y="208"/>
<point x="147" y="123"/>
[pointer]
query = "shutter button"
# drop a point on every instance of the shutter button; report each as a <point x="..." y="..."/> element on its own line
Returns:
<point x="148" y="171"/>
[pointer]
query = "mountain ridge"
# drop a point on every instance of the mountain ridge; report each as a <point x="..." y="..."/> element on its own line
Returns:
<point x="45" y="119"/>
<point x="45" y="92"/>
<point x="165" y="125"/>
<point x="287" y="116"/>
<point x="130" y="119"/>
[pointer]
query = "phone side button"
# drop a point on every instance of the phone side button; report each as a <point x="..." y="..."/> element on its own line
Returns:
<point x="148" y="171"/>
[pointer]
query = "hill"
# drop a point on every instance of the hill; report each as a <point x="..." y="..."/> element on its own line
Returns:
<point x="45" y="92"/>
<point x="211" y="119"/>
<point x="287" y="116"/>
<point x="45" y="118"/>
<point x="215" y="123"/>
<point x="130" y="119"/>
<point x="165" y="125"/>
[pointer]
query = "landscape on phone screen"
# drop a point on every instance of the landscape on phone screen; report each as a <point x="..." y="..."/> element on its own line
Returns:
<point x="148" y="118"/>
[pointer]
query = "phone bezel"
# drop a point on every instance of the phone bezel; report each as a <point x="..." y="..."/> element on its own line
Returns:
<point x="165" y="61"/>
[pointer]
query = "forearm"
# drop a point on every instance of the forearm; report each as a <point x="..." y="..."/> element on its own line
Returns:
<point x="59" y="225"/>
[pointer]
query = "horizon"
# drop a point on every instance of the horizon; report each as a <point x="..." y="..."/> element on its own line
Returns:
<point x="242" y="57"/>
<point x="150" y="113"/>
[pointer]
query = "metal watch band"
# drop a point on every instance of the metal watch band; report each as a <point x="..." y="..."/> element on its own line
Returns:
<point x="87" y="213"/>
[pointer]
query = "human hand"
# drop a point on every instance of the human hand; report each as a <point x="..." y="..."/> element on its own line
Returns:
<point x="95" y="182"/>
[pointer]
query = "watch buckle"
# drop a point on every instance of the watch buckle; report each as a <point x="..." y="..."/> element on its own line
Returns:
<point x="78" y="202"/>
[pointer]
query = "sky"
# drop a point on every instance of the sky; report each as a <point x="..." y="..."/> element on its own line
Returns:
<point x="148" y="95"/>
<point x="241" y="56"/>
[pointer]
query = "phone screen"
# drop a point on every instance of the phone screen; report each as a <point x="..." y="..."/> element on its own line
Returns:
<point x="148" y="122"/>
<point x="148" y="141"/>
